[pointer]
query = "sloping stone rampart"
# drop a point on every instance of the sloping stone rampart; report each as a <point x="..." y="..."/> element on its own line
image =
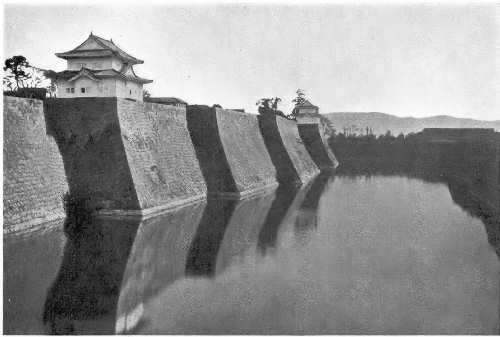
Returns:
<point x="34" y="179"/>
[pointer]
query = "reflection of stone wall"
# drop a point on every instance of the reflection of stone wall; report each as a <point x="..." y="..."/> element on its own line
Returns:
<point x="288" y="153"/>
<point x="242" y="232"/>
<point x="231" y="150"/>
<point x="126" y="155"/>
<point x="34" y="180"/>
<point x="158" y="258"/>
<point x="317" y="146"/>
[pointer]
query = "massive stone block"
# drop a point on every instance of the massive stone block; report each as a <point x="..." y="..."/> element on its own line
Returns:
<point x="317" y="145"/>
<point x="231" y="151"/>
<point x="293" y="163"/>
<point x="126" y="156"/>
<point x="34" y="180"/>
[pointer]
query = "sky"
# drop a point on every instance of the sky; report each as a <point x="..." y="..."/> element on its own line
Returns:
<point x="404" y="59"/>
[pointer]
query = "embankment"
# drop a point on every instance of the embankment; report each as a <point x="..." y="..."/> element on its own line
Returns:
<point x="231" y="151"/>
<point x="317" y="146"/>
<point x="34" y="180"/>
<point x="126" y="157"/>
<point x="293" y="163"/>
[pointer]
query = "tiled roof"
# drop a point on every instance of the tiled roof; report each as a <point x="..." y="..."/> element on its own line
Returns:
<point x="107" y="48"/>
<point x="306" y="104"/>
<point x="98" y="74"/>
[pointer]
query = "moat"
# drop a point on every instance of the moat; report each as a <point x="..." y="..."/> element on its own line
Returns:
<point x="389" y="249"/>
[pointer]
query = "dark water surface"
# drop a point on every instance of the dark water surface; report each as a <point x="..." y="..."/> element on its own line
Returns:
<point x="356" y="252"/>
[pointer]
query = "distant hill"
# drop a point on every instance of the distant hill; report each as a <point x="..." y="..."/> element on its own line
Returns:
<point x="381" y="122"/>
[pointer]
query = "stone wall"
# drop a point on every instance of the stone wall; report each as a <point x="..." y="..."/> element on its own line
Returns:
<point x="160" y="154"/>
<point x="317" y="146"/>
<point x="34" y="180"/>
<point x="231" y="150"/>
<point x="288" y="153"/>
<point x="129" y="157"/>
<point x="126" y="155"/>
<point x="88" y="134"/>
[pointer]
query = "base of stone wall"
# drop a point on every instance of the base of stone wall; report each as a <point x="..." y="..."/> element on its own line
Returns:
<point x="307" y="178"/>
<point x="247" y="193"/>
<point x="149" y="212"/>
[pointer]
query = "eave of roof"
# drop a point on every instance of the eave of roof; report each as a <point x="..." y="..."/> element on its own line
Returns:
<point x="85" y="53"/>
<point x="68" y="75"/>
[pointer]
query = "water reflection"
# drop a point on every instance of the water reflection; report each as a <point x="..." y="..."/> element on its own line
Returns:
<point x="308" y="212"/>
<point x="157" y="259"/>
<point x="280" y="207"/>
<point x="470" y="170"/>
<point x="215" y="237"/>
<point x="366" y="250"/>
<point x="205" y="245"/>
<point x="83" y="297"/>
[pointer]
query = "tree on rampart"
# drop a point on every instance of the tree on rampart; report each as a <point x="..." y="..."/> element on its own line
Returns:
<point x="22" y="79"/>
<point x="269" y="106"/>
<point x="16" y="72"/>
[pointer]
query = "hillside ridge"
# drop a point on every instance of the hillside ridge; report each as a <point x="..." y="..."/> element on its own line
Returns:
<point x="380" y="123"/>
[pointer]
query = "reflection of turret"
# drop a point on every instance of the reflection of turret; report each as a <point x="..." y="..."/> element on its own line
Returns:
<point x="84" y="295"/>
<point x="157" y="259"/>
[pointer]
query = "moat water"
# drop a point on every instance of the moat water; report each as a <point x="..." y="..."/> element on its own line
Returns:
<point x="407" y="252"/>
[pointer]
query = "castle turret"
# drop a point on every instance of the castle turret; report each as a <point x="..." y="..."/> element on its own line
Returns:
<point x="99" y="68"/>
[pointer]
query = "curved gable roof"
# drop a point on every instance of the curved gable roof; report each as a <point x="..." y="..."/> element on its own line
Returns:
<point x="95" y="46"/>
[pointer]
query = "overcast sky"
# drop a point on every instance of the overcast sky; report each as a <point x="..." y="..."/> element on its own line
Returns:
<point x="407" y="60"/>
